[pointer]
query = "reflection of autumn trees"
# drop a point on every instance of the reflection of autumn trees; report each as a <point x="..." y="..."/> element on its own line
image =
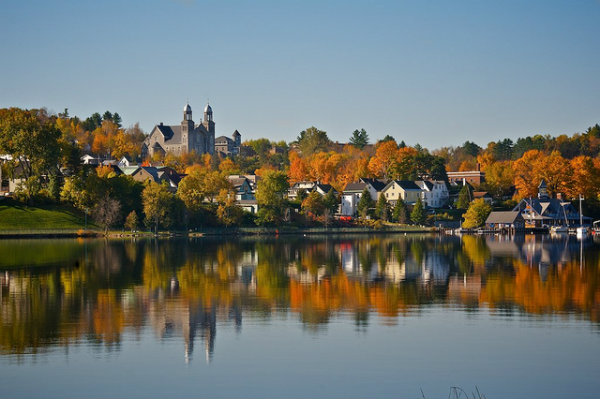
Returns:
<point x="110" y="288"/>
<point x="568" y="289"/>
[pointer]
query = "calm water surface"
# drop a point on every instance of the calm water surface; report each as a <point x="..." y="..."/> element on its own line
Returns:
<point x="344" y="316"/>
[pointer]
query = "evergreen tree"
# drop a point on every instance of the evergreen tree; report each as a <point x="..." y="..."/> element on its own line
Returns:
<point x="359" y="138"/>
<point x="418" y="213"/>
<point x="399" y="213"/>
<point x="382" y="209"/>
<point x="330" y="201"/>
<point x="365" y="204"/>
<point x="464" y="197"/>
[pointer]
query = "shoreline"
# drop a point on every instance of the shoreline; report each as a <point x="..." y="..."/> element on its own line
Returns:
<point x="217" y="231"/>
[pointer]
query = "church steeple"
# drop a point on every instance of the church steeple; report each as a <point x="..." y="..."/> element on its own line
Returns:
<point x="208" y="122"/>
<point x="187" y="126"/>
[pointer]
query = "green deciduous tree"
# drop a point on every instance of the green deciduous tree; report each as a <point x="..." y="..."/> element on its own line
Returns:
<point x="313" y="203"/>
<point x="131" y="222"/>
<point x="477" y="213"/>
<point x="158" y="203"/>
<point x="270" y="193"/>
<point x="312" y="140"/>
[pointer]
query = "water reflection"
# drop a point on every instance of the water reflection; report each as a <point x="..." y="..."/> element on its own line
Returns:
<point x="63" y="292"/>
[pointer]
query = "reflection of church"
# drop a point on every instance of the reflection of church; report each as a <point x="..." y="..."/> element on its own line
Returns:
<point x="189" y="319"/>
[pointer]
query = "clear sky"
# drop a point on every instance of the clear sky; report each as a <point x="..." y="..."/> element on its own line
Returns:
<point x="430" y="72"/>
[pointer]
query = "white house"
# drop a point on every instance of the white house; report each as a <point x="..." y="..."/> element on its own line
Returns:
<point x="353" y="191"/>
<point x="434" y="193"/>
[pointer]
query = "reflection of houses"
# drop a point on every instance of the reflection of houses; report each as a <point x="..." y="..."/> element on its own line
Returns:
<point x="544" y="210"/>
<point x="430" y="266"/>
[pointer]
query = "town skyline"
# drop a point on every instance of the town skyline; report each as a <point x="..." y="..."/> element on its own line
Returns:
<point x="432" y="74"/>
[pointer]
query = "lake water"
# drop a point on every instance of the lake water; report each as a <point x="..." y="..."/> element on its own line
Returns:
<point x="346" y="316"/>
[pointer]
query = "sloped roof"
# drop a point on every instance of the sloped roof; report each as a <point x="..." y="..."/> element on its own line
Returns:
<point x="237" y="181"/>
<point x="223" y="140"/>
<point x="377" y="184"/>
<point x="324" y="187"/>
<point x="424" y="184"/>
<point x="358" y="186"/>
<point x="172" y="134"/>
<point x="407" y="185"/>
<point x="505" y="217"/>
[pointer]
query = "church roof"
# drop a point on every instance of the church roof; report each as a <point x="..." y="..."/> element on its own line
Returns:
<point x="223" y="140"/>
<point x="172" y="134"/>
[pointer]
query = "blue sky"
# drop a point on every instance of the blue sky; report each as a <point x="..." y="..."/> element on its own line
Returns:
<point x="430" y="72"/>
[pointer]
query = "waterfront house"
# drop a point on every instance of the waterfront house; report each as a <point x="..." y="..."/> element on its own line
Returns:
<point x="507" y="220"/>
<point x="353" y="191"/>
<point x="547" y="211"/>
<point x="434" y="193"/>
<point x="406" y="190"/>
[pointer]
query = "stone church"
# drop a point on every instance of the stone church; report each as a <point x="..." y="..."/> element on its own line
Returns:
<point x="179" y="139"/>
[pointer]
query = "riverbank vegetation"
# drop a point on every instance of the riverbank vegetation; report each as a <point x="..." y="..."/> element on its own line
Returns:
<point x="42" y="151"/>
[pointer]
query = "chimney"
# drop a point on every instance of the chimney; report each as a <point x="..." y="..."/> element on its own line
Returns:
<point x="160" y="124"/>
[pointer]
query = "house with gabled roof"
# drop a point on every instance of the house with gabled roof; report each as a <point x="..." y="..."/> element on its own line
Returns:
<point x="547" y="211"/>
<point x="407" y="190"/>
<point x="353" y="192"/>
<point x="242" y="186"/>
<point x="157" y="175"/>
<point x="434" y="193"/>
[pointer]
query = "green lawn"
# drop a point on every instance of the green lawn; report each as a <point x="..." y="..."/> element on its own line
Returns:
<point x="15" y="216"/>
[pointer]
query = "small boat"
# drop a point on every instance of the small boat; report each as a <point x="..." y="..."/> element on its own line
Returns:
<point x="581" y="232"/>
<point x="559" y="230"/>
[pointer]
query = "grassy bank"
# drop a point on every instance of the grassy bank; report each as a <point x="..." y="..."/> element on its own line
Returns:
<point x="16" y="218"/>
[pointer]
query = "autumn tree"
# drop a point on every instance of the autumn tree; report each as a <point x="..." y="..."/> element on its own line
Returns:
<point x="131" y="221"/>
<point x="228" y="212"/>
<point x="477" y="214"/>
<point x="386" y="157"/>
<point x="313" y="203"/>
<point x="158" y="203"/>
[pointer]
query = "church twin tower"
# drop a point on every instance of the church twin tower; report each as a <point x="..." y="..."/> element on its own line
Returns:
<point x="184" y="138"/>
